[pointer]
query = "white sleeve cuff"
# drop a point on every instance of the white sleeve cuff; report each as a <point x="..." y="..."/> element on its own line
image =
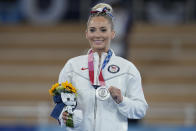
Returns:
<point x="131" y="109"/>
<point x="77" y="117"/>
<point x="123" y="106"/>
<point x="123" y="103"/>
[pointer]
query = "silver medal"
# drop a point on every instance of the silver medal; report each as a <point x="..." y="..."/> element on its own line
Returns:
<point x="102" y="93"/>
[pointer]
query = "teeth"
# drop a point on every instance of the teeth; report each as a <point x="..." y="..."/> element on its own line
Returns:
<point x="98" y="41"/>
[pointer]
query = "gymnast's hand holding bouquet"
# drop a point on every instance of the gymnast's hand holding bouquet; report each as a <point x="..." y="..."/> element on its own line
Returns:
<point x="64" y="95"/>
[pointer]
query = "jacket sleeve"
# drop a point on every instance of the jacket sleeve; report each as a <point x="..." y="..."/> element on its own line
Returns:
<point x="66" y="75"/>
<point x="134" y="105"/>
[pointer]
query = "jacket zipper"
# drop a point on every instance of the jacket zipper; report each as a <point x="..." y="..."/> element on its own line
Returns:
<point x="95" y="105"/>
<point x="95" y="111"/>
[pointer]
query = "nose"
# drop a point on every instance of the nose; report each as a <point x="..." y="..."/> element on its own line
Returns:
<point x="97" y="34"/>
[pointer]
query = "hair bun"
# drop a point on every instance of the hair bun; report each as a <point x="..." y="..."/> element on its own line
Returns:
<point x="102" y="9"/>
<point x="101" y="6"/>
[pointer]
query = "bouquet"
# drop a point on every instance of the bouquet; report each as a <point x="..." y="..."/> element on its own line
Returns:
<point x="64" y="95"/>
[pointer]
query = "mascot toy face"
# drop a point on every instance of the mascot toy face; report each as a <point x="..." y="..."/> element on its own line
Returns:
<point x="69" y="99"/>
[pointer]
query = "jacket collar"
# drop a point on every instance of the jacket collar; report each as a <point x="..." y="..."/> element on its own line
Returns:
<point x="113" y="54"/>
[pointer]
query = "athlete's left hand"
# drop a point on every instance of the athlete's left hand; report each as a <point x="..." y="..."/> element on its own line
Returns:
<point x="116" y="94"/>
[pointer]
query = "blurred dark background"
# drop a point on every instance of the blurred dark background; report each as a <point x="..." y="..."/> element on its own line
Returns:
<point x="62" y="11"/>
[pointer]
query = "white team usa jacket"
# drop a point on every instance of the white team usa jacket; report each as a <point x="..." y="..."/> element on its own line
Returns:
<point x="92" y="114"/>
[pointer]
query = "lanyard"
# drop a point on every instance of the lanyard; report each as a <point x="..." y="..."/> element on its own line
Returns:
<point x="91" y="67"/>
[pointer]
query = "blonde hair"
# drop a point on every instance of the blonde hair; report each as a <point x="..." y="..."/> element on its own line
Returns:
<point x="102" y="5"/>
<point x="107" y="13"/>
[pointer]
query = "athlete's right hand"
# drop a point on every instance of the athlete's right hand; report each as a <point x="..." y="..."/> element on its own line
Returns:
<point x="65" y="115"/>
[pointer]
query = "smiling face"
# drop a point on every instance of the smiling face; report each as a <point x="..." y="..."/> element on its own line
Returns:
<point x="99" y="34"/>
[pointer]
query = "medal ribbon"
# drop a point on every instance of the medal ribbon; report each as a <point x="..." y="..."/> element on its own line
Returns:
<point x="91" y="67"/>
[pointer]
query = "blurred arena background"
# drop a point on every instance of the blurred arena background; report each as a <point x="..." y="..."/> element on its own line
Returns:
<point x="37" y="37"/>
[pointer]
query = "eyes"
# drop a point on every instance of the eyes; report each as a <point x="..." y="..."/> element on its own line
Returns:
<point x="102" y="29"/>
<point x="68" y="99"/>
<point x="92" y="30"/>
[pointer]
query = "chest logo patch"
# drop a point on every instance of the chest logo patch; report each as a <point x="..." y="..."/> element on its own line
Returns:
<point x="113" y="69"/>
